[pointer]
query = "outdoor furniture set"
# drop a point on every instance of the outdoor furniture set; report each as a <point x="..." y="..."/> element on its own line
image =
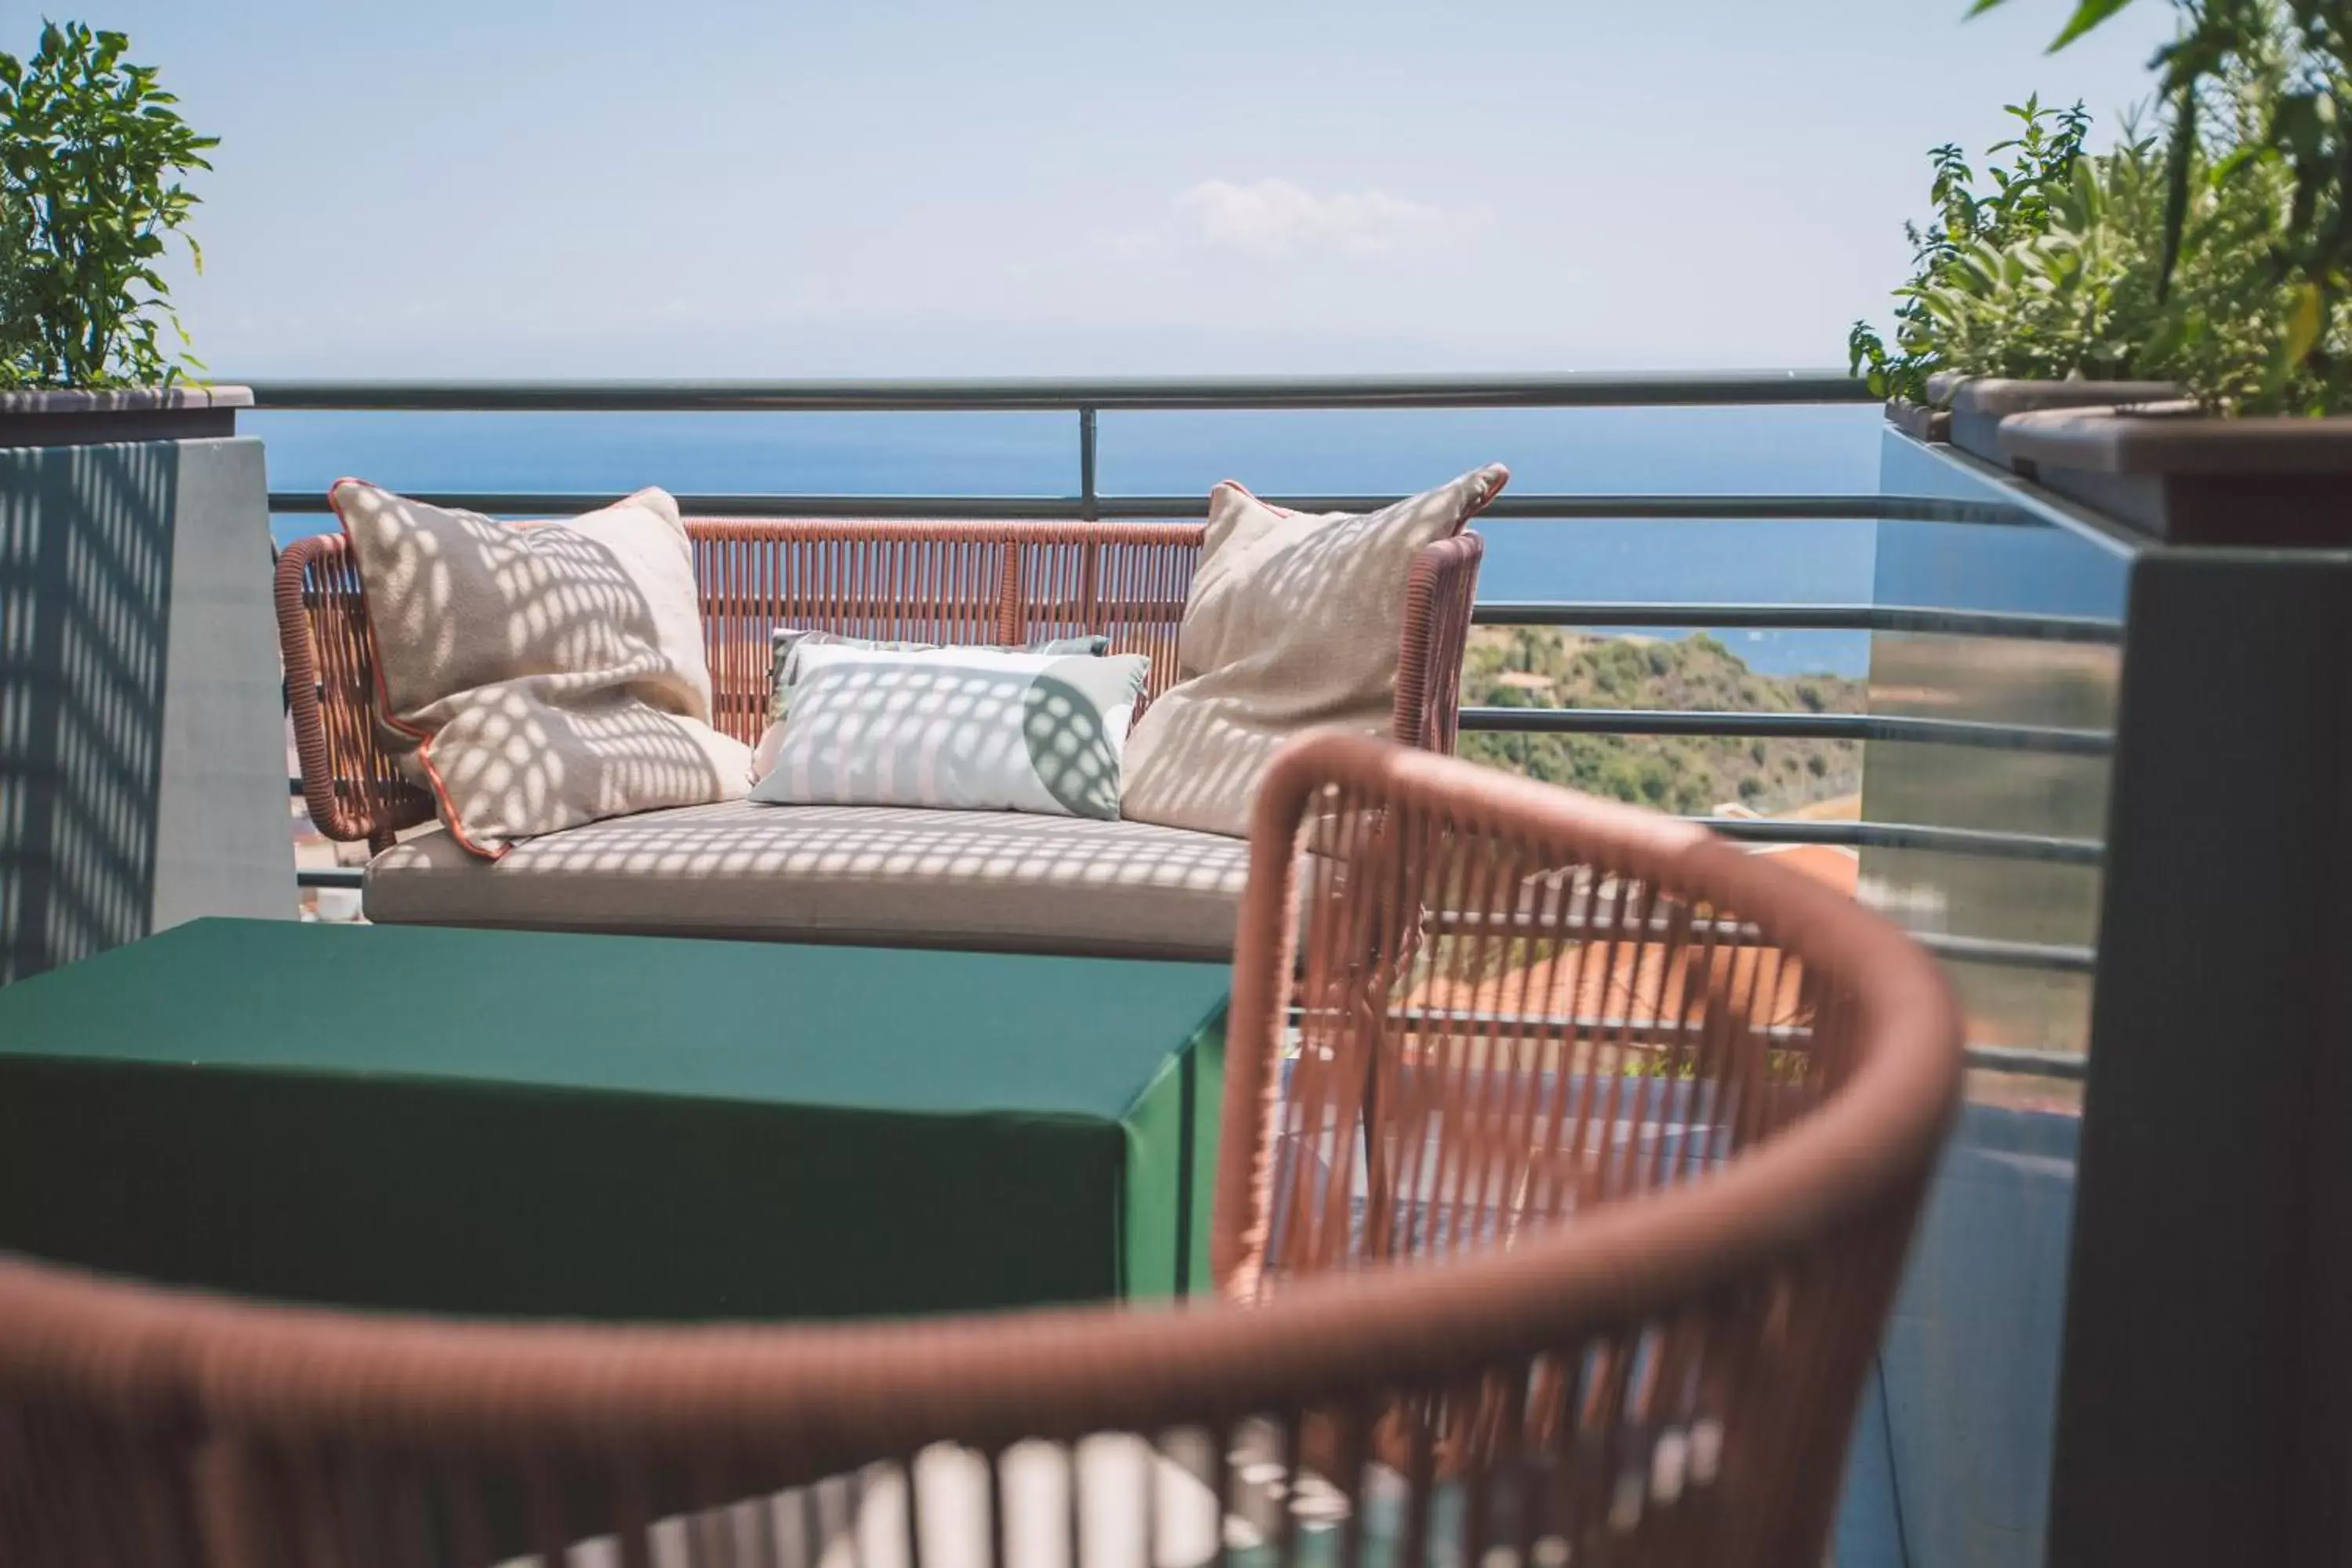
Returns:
<point x="1480" y="1286"/>
<point x="1541" y="1187"/>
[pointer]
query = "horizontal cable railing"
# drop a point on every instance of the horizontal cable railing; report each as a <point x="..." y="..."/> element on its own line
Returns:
<point x="1647" y="1033"/>
<point x="2053" y="956"/>
<point x="1087" y="398"/>
<point x="1746" y="725"/>
<point x="1120" y="509"/>
<point x="1574" y="389"/>
<point x="1909" y="836"/>
<point x="1799" y="618"/>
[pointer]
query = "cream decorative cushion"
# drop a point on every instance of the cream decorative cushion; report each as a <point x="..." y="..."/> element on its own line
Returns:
<point x="1292" y="625"/>
<point x="536" y="676"/>
<point x="967" y="728"/>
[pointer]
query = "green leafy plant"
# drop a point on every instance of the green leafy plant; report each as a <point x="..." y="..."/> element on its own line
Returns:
<point x="2301" y="50"/>
<point x="1971" y="225"/>
<point x="15" y="244"/>
<point x="2099" y="284"/>
<point x="91" y="155"/>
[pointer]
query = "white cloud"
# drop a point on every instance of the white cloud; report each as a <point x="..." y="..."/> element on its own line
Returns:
<point x="1275" y="216"/>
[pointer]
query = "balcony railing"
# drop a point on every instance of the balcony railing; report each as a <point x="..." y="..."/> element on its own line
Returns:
<point x="1085" y="399"/>
<point x="2123" y="1318"/>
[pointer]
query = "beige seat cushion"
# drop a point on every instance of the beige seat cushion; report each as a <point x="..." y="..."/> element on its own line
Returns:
<point x="1294" y="623"/>
<point x="875" y="874"/>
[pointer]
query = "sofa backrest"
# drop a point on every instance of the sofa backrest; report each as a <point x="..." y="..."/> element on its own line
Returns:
<point x="1011" y="582"/>
<point x="1008" y="582"/>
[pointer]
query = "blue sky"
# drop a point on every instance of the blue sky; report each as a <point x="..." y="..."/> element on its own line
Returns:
<point x="620" y="187"/>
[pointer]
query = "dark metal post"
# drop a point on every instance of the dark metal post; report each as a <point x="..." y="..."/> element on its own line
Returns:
<point x="1088" y="511"/>
<point x="2205" y="1412"/>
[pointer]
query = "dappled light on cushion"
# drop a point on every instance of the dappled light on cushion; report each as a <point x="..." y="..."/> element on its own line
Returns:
<point x="968" y="878"/>
<point x="1294" y="623"/>
<point x="540" y="676"/>
<point x="973" y="728"/>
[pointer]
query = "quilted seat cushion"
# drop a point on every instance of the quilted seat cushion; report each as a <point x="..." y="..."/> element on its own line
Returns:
<point x="866" y="874"/>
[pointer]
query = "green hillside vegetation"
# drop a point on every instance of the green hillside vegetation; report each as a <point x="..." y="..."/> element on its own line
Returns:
<point x="1526" y="667"/>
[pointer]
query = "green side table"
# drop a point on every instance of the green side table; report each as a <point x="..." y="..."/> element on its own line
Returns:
<point x="524" y="1123"/>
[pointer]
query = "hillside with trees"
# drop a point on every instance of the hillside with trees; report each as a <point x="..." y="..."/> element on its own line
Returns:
<point x="1527" y="667"/>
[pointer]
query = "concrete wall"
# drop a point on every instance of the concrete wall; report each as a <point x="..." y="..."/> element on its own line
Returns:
<point x="141" y="742"/>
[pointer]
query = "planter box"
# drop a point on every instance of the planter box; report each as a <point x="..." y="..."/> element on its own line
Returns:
<point x="1981" y="404"/>
<point x="142" y="756"/>
<point x="1919" y="421"/>
<point x="2190" y="478"/>
<point x="90" y="418"/>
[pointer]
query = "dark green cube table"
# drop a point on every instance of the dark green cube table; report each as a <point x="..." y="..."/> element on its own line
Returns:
<point x="526" y="1123"/>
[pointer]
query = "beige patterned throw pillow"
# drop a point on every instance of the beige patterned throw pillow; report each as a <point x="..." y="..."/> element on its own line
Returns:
<point x="1292" y="625"/>
<point x="537" y="676"/>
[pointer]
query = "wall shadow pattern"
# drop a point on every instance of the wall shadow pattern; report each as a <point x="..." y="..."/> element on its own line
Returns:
<point x="85" y="603"/>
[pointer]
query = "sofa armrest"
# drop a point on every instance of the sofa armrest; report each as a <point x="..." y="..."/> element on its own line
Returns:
<point x="349" y="783"/>
<point x="1438" y="595"/>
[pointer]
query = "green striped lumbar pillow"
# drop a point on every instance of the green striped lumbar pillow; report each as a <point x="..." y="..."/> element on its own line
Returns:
<point x="967" y="729"/>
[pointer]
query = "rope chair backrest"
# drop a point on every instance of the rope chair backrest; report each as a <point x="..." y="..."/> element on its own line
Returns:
<point x="1470" y="1011"/>
<point x="1653" y="1382"/>
<point x="1503" y="1003"/>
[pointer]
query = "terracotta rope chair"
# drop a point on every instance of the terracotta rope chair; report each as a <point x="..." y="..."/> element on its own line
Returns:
<point x="1585" y="1290"/>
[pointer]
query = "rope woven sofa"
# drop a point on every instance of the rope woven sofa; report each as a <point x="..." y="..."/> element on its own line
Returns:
<point x="1508" y="1281"/>
<point x="904" y="877"/>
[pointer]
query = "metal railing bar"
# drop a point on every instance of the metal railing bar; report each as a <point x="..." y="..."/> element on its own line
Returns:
<point x="2061" y="958"/>
<point x="1798" y="618"/>
<point x="958" y="509"/>
<point x="1666" y="1031"/>
<point x="1995" y="624"/>
<point x="1609" y="1029"/>
<point x="1909" y="836"/>
<point x="1787" y="726"/>
<point x="1089" y="502"/>
<point x="335" y="877"/>
<point x="1727" y="507"/>
<point x="1585" y="928"/>
<point x="1647" y="1031"/>
<point x="2070" y="1065"/>
<point x="1087" y="508"/>
<point x="1573" y="389"/>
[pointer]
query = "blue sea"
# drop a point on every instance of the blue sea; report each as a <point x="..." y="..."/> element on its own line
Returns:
<point x="1692" y="451"/>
